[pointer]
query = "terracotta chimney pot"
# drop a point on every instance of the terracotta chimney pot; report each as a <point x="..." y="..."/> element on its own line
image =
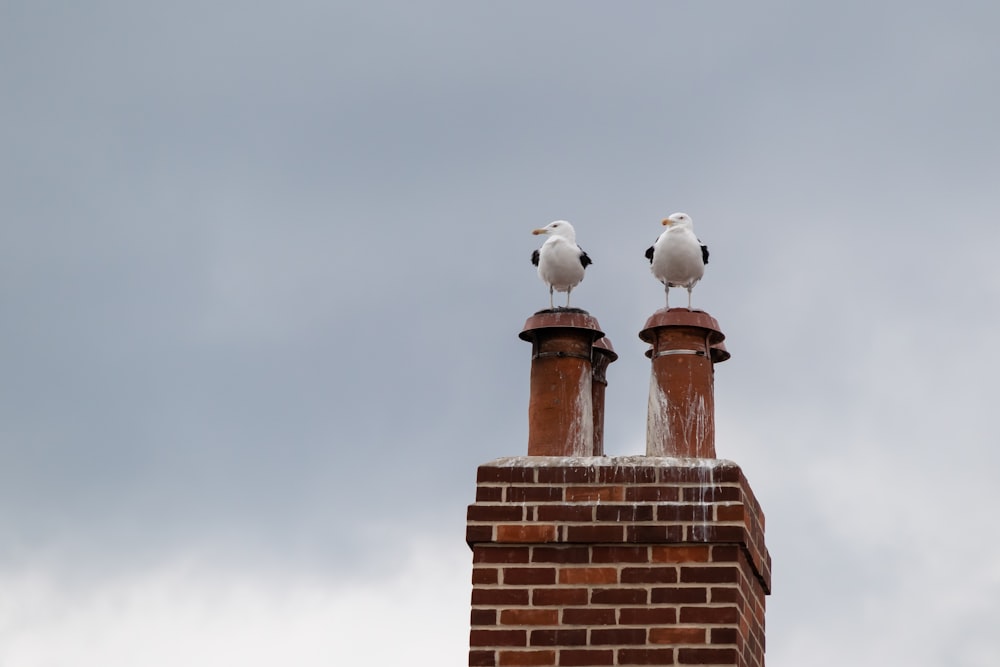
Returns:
<point x="561" y="405"/>
<point x="604" y="355"/>
<point x="681" y="417"/>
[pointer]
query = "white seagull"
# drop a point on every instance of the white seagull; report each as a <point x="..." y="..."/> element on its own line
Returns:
<point x="678" y="258"/>
<point x="560" y="260"/>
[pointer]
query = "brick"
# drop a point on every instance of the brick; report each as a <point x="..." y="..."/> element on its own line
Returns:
<point x="723" y="636"/>
<point x="720" y="595"/>
<point x="566" y="512"/>
<point x="617" y="636"/>
<point x="485" y="575"/>
<point x="619" y="596"/>
<point x="559" y="596"/>
<point x="627" y="475"/>
<point x="595" y="534"/>
<point x="482" y="659"/>
<point x="478" y="534"/>
<point x="559" y="637"/>
<point x="527" y="494"/>
<point x="569" y="554"/>
<point x="529" y="617"/>
<point x="608" y="554"/>
<point x="567" y="475"/>
<point x="726" y="553"/>
<point x="588" y="575"/>
<point x="728" y="473"/>
<point x="681" y="635"/>
<point x="498" y="638"/>
<point x="706" y="656"/>
<point x="652" y="493"/>
<point x="526" y="658"/>
<point x="588" y="616"/>
<point x="717" y="533"/>
<point x="647" y="616"/>
<point x="649" y="575"/>
<point x="603" y="494"/>
<point x="624" y="513"/>
<point x="710" y="494"/>
<point x="526" y="534"/>
<point x="585" y="657"/>
<point x="505" y="474"/>
<point x="489" y="494"/>
<point x="645" y="656"/>
<point x="687" y="475"/>
<point x="483" y="617"/>
<point x="709" y="575"/>
<point x="529" y="575"/>
<point x="683" y="512"/>
<point x="710" y="615"/>
<point x="654" y="534"/>
<point x="495" y="513"/>
<point x="499" y="597"/>
<point x="678" y="595"/>
<point x="678" y="554"/>
<point x="735" y="512"/>
<point x="500" y="555"/>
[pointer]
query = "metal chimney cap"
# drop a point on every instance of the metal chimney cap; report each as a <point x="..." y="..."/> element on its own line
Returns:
<point x="682" y="317"/>
<point x="561" y="318"/>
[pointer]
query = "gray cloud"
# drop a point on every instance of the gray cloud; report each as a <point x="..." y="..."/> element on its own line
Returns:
<point x="261" y="274"/>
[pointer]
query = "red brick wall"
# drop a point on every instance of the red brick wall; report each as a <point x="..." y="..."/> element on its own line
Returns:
<point x="616" y="561"/>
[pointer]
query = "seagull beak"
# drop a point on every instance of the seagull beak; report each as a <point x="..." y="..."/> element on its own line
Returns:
<point x="536" y="232"/>
<point x="667" y="222"/>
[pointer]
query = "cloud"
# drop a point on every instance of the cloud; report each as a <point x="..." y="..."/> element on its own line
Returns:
<point x="191" y="611"/>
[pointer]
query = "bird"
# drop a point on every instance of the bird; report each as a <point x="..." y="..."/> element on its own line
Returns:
<point x="560" y="260"/>
<point x="678" y="258"/>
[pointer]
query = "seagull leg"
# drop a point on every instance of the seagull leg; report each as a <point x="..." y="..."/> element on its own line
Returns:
<point x="689" y="297"/>
<point x="551" y="304"/>
<point x="666" y="289"/>
<point x="568" y="291"/>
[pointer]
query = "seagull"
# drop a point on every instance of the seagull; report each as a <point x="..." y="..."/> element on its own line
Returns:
<point x="560" y="260"/>
<point x="678" y="258"/>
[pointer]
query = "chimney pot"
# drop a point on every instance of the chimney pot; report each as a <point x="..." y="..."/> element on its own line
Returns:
<point x="681" y="417"/>
<point x="604" y="355"/>
<point x="561" y="404"/>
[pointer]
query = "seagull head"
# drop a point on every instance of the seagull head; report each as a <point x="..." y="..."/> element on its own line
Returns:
<point x="557" y="228"/>
<point x="677" y="220"/>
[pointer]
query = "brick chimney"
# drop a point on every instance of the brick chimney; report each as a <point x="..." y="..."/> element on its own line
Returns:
<point x="634" y="560"/>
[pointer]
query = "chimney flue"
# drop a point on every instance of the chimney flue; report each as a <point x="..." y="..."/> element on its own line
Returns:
<point x="561" y="417"/>
<point x="681" y="417"/>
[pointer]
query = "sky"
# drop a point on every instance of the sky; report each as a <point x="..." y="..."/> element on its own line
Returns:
<point x="263" y="266"/>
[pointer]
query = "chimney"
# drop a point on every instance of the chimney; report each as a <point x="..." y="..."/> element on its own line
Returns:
<point x="632" y="560"/>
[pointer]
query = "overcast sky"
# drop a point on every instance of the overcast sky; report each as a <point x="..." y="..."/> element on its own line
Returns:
<point x="262" y="270"/>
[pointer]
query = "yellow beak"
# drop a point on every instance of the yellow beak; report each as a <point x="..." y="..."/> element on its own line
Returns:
<point x="536" y="232"/>
<point x="667" y="222"/>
